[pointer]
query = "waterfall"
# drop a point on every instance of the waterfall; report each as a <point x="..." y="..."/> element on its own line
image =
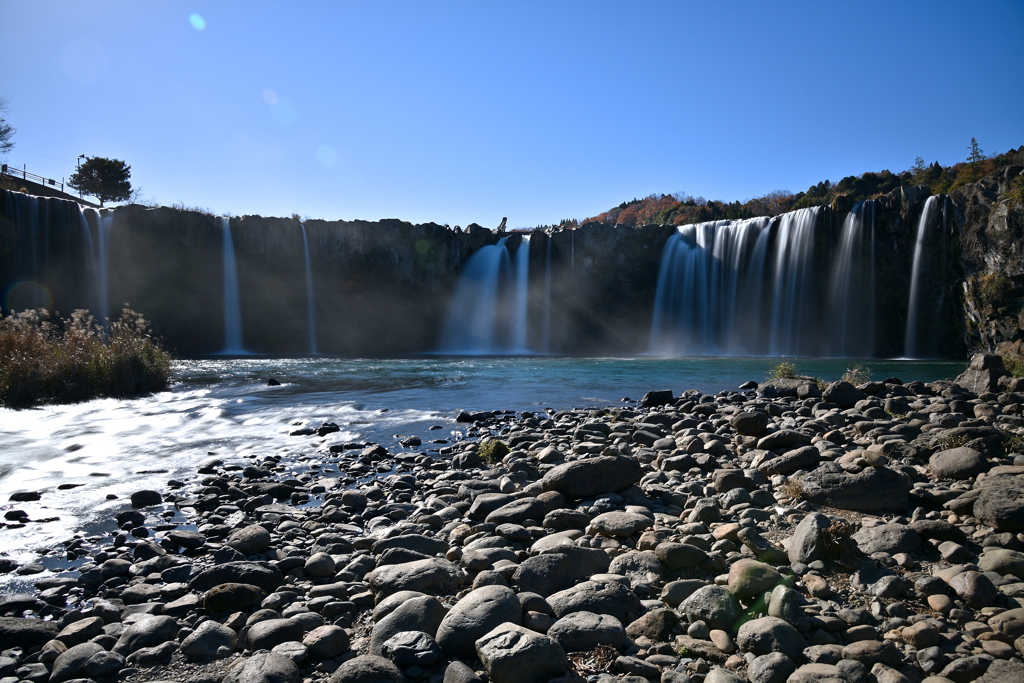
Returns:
<point x="90" y="264"/>
<point x="708" y="294"/>
<point x="232" y="299"/>
<point x="310" y="307"/>
<point x="96" y="260"/>
<point x="546" y="331"/>
<point x="793" y="279"/>
<point x="852" y="290"/>
<point x="472" y="323"/>
<point x="521" y="267"/>
<point x="924" y="283"/>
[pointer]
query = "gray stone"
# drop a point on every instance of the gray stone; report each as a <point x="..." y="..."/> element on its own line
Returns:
<point x="250" y="540"/>
<point x="518" y="511"/>
<point x="1009" y="623"/>
<point x="475" y="615"/>
<point x="147" y="632"/>
<point x="262" y="574"/>
<point x="770" y="634"/>
<point x="817" y="673"/>
<point x="957" y="463"/>
<point x="999" y="502"/>
<point x="678" y="556"/>
<point x="748" y="578"/>
<point x="70" y="663"/>
<point x="600" y="597"/>
<point x="551" y="572"/>
<point x="432" y="575"/>
<point x="581" y="631"/>
<point x="843" y="394"/>
<point x="417" y="542"/>
<point x="803" y="458"/>
<point x="264" y="667"/>
<point x="209" y="640"/>
<point x="234" y="597"/>
<point x="264" y="635"/>
<point x="656" y="625"/>
<point x="1003" y="671"/>
<point x="513" y="654"/>
<point x="874" y="489"/>
<point x="807" y="543"/>
<point x="639" y="566"/>
<point x="410" y="648"/>
<point x="619" y="523"/>
<point x="104" y="664"/>
<point x="976" y="589"/>
<point x="773" y="667"/>
<point x="750" y="423"/>
<point x="720" y="675"/>
<point x="457" y="672"/>
<point x="888" y="538"/>
<point x="20" y="632"/>
<point x="591" y="476"/>
<point x="1002" y="561"/>
<point x="319" y="566"/>
<point x="422" y="613"/>
<point x="368" y="669"/>
<point x="783" y="438"/>
<point x="326" y="642"/>
<point x="78" y="632"/>
<point x="983" y="373"/>
<point x="714" y="605"/>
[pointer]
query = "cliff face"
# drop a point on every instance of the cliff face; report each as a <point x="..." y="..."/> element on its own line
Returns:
<point x="385" y="288"/>
<point x="991" y="212"/>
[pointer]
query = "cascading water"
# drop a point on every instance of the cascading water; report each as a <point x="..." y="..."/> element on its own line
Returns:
<point x="471" y="326"/>
<point x="546" y="330"/>
<point x="310" y="305"/>
<point x="521" y="267"/>
<point x="852" y="290"/>
<point x="96" y="260"/>
<point x="232" y="299"/>
<point x="925" y="288"/>
<point x="708" y="293"/>
<point x="793" y="278"/>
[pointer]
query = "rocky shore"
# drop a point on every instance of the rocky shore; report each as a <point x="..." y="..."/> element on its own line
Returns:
<point x="782" y="532"/>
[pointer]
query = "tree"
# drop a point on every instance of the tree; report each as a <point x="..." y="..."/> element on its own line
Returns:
<point x="918" y="167"/>
<point x="105" y="179"/>
<point x="976" y="153"/>
<point x="6" y="130"/>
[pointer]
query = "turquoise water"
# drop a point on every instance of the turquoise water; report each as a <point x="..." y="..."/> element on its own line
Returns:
<point x="224" y="408"/>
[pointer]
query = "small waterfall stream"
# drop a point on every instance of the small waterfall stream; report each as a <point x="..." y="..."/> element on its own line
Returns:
<point x="310" y="304"/>
<point x="546" y="330"/>
<point x="521" y="268"/>
<point x="924" y="285"/>
<point x="232" y="299"/>
<point x="852" y="290"/>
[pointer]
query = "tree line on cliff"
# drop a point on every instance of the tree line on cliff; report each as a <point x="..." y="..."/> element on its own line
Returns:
<point x="683" y="209"/>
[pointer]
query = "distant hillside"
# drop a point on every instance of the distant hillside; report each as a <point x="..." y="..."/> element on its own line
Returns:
<point x="675" y="209"/>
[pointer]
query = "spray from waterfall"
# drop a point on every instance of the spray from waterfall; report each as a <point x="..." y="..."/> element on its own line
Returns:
<point x="232" y="298"/>
<point x="310" y="305"/>
<point x="852" y="290"/>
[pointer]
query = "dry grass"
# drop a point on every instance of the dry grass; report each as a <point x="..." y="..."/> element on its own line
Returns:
<point x="75" y="359"/>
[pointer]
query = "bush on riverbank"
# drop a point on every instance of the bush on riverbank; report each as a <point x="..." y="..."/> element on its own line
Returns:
<point x="75" y="359"/>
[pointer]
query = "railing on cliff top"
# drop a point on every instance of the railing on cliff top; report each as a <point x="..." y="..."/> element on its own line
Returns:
<point x="25" y="175"/>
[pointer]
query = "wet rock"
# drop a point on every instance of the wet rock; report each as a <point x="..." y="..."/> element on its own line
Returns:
<point x="264" y="667"/>
<point x="513" y="654"/>
<point x="146" y="498"/>
<point x="476" y="614"/>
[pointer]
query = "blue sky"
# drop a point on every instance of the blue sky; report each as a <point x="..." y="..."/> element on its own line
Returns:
<point x="459" y="112"/>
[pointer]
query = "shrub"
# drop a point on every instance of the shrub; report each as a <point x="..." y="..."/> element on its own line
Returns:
<point x="75" y="359"/>
<point x="856" y="374"/>
<point x="1013" y="361"/>
<point x="492" y="450"/>
<point x="782" y="370"/>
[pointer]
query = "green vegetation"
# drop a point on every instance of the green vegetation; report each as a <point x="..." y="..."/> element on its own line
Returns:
<point x="953" y="441"/>
<point x="1013" y="361"/>
<point x="784" y="369"/>
<point x="105" y="179"/>
<point x="75" y="359"/>
<point x="682" y="209"/>
<point x="997" y="290"/>
<point x="493" y="450"/>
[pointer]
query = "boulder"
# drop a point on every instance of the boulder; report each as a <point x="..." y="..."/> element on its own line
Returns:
<point x="19" y="632"/>
<point x="957" y="463"/>
<point x="807" y="543"/>
<point x="750" y="423"/>
<point x="513" y="654"/>
<point x="412" y="648"/>
<point x="770" y="634"/>
<point x="71" y="663"/>
<point x="983" y="373"/>
<point x="843" y="394"/>
<point x="714" y="605"/>
<point x="147" y="632"/>
<point x="264" y="667"/>
<point x="749" y="578"/>
<point x="591" y="476"/>
<point x="264" y="635"/>
<point x="874" y="489"/>
<point x="600" y="597"/>
<point x="235" y="597"/>
<point x="888" y="538"/>
<point x="209" y="640"/>
<point x="581" y="631"/>
<point x="423" y="613"/>
<point x="479" y="612"/>
<point x="554" y="571"/>
<point x="262" y="574"/>
<point x="1000" y="502"/>
<point x="250" y="540"/>
<point x="432" y="575"/>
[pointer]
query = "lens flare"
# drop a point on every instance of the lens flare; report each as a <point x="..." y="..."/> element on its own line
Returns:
<point x="198" y="23"/>
<point x="284" y="111"/>
<point x="270" y="97"/>
<point x="27" y="294"/>
<point x="326" y="155"/>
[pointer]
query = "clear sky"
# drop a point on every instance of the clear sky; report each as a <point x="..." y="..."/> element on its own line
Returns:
<point x="459" y="112"/>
